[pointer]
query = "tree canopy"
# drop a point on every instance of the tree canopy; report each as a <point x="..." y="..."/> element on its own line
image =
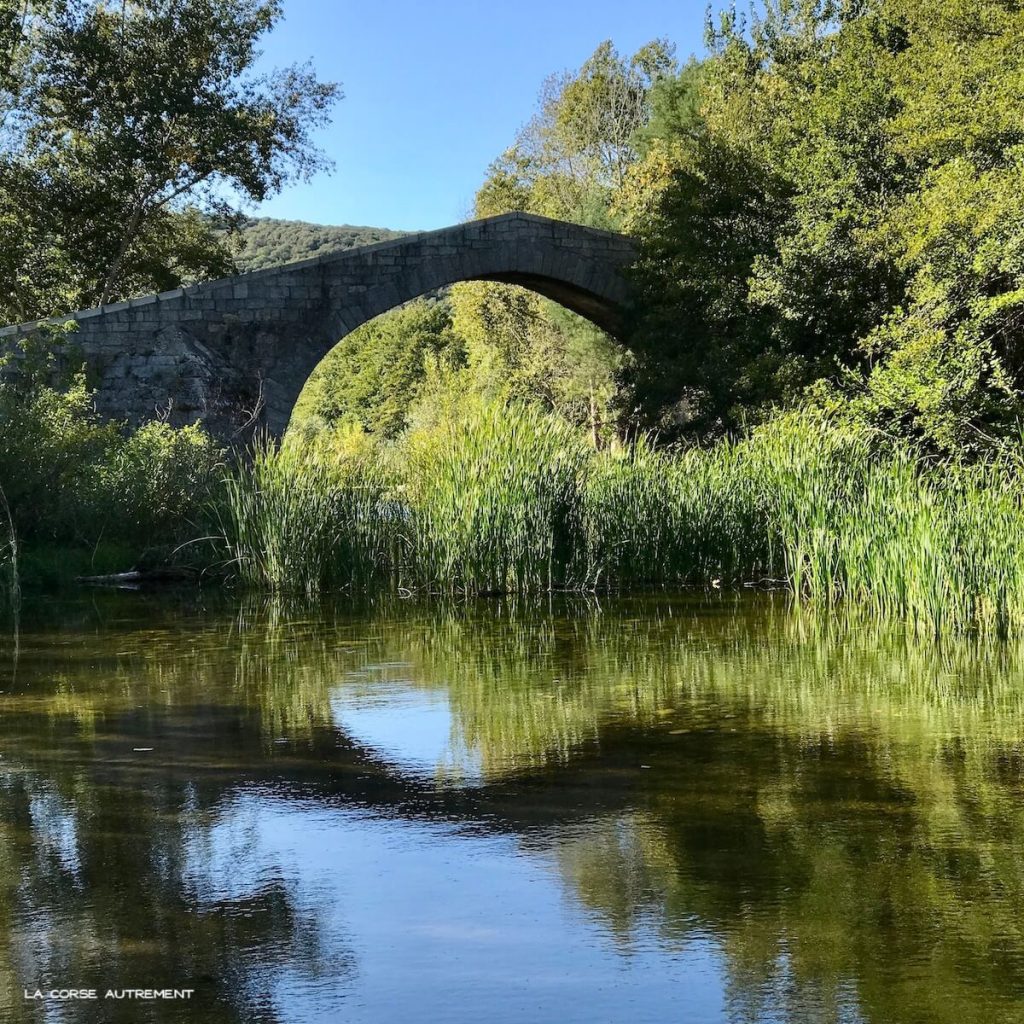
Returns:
<point x="262" y="242"/>
<point x="834" y="198"/>
<point x="123" y="127"/>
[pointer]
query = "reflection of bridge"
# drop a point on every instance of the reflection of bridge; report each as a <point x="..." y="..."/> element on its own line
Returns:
<point x="235" y="353"/>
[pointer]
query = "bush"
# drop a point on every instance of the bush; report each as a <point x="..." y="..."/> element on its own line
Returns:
<point x="154" y="481"/>
<point x="74" y="481"/>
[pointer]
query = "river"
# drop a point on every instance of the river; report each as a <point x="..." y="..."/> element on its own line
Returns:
<point x="657" y="809"/>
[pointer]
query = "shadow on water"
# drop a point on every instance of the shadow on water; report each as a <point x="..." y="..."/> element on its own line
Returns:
<point x="360" y="808"/>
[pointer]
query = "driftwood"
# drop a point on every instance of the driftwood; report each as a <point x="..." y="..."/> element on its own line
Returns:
<point x="138" y="576"/>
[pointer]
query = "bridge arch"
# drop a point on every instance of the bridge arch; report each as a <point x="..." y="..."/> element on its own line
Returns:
<point x="236" y="353"/>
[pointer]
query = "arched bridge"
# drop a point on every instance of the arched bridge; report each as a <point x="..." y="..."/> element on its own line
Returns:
<point x="236" y="353"/>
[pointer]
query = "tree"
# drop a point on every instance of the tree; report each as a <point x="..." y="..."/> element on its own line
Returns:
<point x="373" y="376"/>
<point x="835" y="194"/>
<point x="134" y="117"/>
<point x="568" y="163"/>
<point x="574" y="153"/>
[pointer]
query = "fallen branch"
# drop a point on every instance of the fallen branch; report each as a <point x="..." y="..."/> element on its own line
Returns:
<point x="139" y="576"/>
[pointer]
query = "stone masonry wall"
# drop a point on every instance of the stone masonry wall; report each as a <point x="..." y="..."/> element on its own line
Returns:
<point x="236" y="353"/>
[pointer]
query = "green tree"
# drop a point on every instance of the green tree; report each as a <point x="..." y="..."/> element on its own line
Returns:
<point x="835" y="193"/>
<point x="574" y="153"/>
<point x="568" y="162"/>
<point x="373" y="376"/>
<point x="124" y="122"/>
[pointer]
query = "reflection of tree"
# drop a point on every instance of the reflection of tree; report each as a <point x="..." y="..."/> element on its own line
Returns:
<point x="842" y="810"/>
<point x="855" y="840"/>
<point x="818" y="880"/>
<point x="94" y="888"/>
<point x="109" y="906"/>
<point x="839" y="811"/>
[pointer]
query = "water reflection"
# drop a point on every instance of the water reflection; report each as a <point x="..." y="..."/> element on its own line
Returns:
<point x="648" y="809"/>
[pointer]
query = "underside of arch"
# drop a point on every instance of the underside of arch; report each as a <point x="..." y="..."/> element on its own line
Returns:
<point x="592" y="307"/>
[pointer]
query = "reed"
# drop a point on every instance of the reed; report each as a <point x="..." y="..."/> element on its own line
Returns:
<point x="9" y="548"/>
<point x="668" y="517"/>
<point x="492" y="500"/>
<point x="940" y="546"/>
<point x="505" y="498"/>
<point x="302" y="517"/>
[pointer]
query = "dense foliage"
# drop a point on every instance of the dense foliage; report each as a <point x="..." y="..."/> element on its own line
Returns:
<point x="262" y="242"/>
<point x="502" y="497"/>
<point x="127" y="133"/>
<point x="835" y="195"/>
<point x="374" y="377"/>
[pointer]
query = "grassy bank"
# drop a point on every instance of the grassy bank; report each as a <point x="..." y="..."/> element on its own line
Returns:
<point x="505" y="498"/>
<point x="82" y="496"/>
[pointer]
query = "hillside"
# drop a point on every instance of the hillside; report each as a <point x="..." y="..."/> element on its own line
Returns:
<point x="269" y="242"/>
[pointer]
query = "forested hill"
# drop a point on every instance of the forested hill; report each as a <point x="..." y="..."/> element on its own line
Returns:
<point x="268" y="242"/>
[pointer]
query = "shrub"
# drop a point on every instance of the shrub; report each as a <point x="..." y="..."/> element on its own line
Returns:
<point x="73" y="480"/>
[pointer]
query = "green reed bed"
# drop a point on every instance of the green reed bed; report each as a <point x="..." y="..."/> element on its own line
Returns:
<point x="940" y="547"/>
<point x="672" y="517"/>
<point x="493" y="501"/>
<point x="299" y="518"/>
<point x="8" y="551"/>
<point x="504" y="498"/>
<point x="879" y="529"/>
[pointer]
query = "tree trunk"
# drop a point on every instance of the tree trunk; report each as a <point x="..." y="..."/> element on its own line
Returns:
<point x="110" y="282"/>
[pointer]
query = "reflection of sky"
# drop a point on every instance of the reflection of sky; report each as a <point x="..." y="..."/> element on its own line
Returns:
<point x="408" y="727"/>
<point x="55" y="830"/>
<point x="441" y="925"/>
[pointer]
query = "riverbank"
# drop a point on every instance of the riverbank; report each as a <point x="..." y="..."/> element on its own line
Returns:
<point x="504" y="498"/>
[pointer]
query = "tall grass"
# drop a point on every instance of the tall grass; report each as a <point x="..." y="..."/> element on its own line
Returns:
<point x="9" y="548"/>
<point x="300" y="517"/>
<point x="697" y="515"/>
<point x="492" y="500"/>
<point x="942" y="547"/>
<point x="506" y="498"/>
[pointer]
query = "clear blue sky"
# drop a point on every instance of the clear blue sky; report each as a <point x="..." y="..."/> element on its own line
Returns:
<point x="434" y="91"/>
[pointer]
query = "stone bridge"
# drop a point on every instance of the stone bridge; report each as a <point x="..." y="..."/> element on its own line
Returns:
<point x="236" y="353"/>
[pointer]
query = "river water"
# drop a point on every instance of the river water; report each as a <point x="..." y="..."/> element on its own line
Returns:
<point x="658" y="809"/>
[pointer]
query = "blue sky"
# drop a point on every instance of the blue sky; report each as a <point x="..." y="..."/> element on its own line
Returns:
<point x="435" y="90"/>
